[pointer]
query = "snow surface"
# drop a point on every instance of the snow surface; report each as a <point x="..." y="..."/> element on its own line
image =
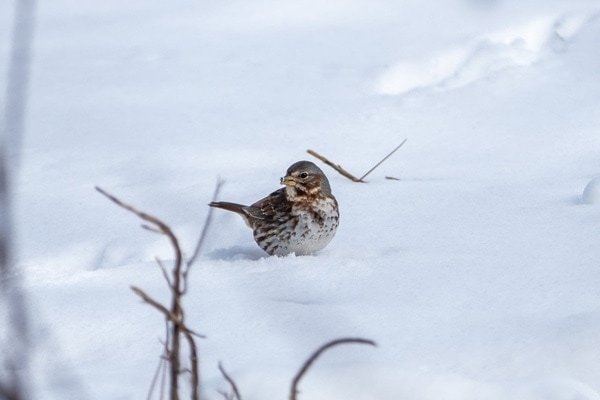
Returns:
<point x="477" y="273"/>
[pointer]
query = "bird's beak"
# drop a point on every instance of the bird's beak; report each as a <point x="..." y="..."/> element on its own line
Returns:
<point x="288" y="181"/>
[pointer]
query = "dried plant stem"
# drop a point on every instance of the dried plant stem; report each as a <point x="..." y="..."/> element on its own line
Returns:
<point x="384" y="158"/>
<point x="337" y="167"/>
<point x="194" y="362"/>
<point x="175" y="314"/>
<point x="167" y="313"/>
<point x="234" y="389"/>
<point x="157" y="374"/>
<point x="206" y="225"/>
<point x="308" y="363"/>
<point x="161" y="227"/>
<point x="176" y="327"/>
<point x="347" y="174"/>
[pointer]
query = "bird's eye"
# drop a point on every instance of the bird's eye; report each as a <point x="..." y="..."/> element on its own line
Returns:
<point x="304" y="175"/>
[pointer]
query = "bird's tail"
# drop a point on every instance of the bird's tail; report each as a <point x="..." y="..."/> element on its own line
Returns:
<point x="236" y="208"/>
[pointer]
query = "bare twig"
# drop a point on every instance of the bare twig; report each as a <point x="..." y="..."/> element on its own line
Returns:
<point x="147" y="299"/>
<point x="384" y="158"/>
<point x="174" y="315"/>
<point x="337" y="167"/>
<point x="194" y="362"/>
<point x="234" y="389"/>
<point x="204" y="228"/>
<point x="164" y="271"/>
<point x="347" y="174"/>
<point x="167" y="313"/>
<point x="161" y="226"/>
<point x="392" y="178"/>
<point x="152" y="229"/>
<point x="166" y="356"/>
<point x="176" y="312"/>
<point x="226" y="395"/>
<point x="307" y="364"/>
<point x="159" y="368"/>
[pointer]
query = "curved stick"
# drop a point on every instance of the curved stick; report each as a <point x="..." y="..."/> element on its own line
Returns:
<point x="308" y="363"/>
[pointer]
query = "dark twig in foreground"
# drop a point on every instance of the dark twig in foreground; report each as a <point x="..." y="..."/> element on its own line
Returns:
<point x="234" y="389"/>
<point x="337" y="167"/>
<point x="176" y="327"/>
<point x="15" y="335"/>
<point x="308" y="363"/>
<point x="168" y="314"/>
<point x="147" y="299"/>
<point x="384" y="158"/>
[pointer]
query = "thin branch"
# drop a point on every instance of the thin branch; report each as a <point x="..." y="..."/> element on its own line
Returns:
<point x="347" y="174"/>
<point x="194" y="362"/>
<point x="226" y="396"/>
<point x="162" y="227"/>
<point x="384" y="158"/>
<point x="166" y="356"/>
<point x="174" y="315"/>
<point x="147" y="299"/>
<point x="338" y="168"/>
<point x="159" y="368"/>
<point x="167" y="313"/>
<point x="164" y="271"/>
<point x="181" y="327"/>
<point x="234" y="389"/>
<point x="141" y="214"/>
<point x="177" y="327"/>
<point x="152" y="229"/>
<point x="308" y="363"/>
<point x="205" y="228"/>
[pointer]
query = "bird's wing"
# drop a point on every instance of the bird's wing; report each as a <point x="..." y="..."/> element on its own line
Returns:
<point x="267" y="208"/>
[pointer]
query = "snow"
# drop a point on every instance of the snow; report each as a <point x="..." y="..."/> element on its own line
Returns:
<point x="591" y="193"/>
<point x="476" y="273"/>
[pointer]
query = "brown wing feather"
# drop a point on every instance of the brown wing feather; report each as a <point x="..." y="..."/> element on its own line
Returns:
<point x="269" y="207"/>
